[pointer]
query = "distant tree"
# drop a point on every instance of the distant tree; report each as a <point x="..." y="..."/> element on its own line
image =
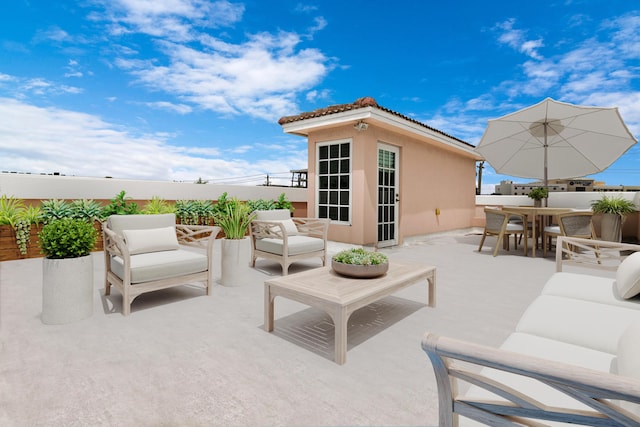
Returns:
<point x="201" y="181"/>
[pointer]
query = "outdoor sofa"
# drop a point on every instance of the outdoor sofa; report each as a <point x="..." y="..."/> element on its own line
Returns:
<point x="145" y="253"/>
<point x="574" y="356"/>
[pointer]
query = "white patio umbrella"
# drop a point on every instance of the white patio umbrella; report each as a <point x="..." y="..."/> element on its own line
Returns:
<point x="555" y="140"/>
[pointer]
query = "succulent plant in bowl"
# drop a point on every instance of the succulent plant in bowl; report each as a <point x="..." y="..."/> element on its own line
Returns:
<point x="359" y="262"/>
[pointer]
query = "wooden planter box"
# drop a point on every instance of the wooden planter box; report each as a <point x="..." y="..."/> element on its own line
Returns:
<point x="9" y="249"/>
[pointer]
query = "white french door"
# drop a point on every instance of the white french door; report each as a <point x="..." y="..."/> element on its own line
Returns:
<point x="388" y="195"/>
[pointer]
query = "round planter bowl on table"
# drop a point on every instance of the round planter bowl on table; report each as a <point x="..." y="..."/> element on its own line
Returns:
<point x="360" y="271"/>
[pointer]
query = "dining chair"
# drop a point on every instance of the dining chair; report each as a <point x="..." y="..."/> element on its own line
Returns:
<point x="572" y="224"/>
<point x="497" y="224"/>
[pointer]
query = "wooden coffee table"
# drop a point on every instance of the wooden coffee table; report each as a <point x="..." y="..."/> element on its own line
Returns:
<point x="340" y="296"/>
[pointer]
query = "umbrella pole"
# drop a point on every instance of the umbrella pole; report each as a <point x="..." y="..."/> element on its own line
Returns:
<point x="546" y="180"/>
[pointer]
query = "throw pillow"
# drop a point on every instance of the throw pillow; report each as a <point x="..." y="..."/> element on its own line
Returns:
<point x="151" y="240"/>
<point x="628" y="276"/>
<point x="289" y="226"/>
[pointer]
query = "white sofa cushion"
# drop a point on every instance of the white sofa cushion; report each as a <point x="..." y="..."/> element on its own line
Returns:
<point x="160" y="265"/>
<point x="589" y="288"/>
<point x="272" y="214"/>
<point x="117" y="223"/>
<point x="297" y="245"/>
<point x="151" y="240"/>
<point x="289" y="226"/>
<point x="628" y="276"/>
<point x="584" y="323"/>
<point x="545" y="348"/>
<point x="629" y="352"/>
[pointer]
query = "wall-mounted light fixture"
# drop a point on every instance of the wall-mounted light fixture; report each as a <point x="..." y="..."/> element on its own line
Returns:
<point x="360" y="126"/>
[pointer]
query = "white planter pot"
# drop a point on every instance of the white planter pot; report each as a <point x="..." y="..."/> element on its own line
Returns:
<point x="236" y="256"/>
<point x="611" y="228"/>
<point x="67" y="290"/>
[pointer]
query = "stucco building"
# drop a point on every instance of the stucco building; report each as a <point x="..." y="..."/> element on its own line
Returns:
<point x="381" y="176"/>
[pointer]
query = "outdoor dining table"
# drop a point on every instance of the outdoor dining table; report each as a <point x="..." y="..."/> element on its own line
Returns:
<point x="535" y="213"/>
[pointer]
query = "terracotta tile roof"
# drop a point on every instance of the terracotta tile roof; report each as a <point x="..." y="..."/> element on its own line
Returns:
<point x="366" y="101"/>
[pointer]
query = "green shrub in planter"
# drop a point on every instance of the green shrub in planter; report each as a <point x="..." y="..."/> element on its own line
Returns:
<point x="67" y="238"/>
<point x="359" y="256"/>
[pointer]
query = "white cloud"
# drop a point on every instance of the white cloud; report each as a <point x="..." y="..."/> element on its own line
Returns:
<point x="517" y="39"/>
<point x="259" y="77"/>
<point x="169" y="106"/>
<point x="44" y="140"/>
<point x="171" y="19"/>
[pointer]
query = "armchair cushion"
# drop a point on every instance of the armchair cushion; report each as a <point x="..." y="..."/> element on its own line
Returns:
<point x="289" y="226"/>
<point x="160" y="265"/>
<point x="151" y="240"/>
<point x="297" y="245"/>
<point x="628" y="276"/>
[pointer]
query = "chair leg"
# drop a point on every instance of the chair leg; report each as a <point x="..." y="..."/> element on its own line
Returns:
<point x="495" y="251"/>
<point x="484" y="235"/>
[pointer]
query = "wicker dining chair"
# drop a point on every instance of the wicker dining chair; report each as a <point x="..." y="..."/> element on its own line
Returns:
<point x="497" y="224"/>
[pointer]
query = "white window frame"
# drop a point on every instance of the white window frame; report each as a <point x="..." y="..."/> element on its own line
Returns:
<point x="350" y="175"/>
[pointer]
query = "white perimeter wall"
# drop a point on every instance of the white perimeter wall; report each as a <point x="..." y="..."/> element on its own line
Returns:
<point x="24" y="186"/>
<point x="568" y="199"/>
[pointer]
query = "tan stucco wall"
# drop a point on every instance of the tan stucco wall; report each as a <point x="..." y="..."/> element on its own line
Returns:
<point x="431" y="178"/>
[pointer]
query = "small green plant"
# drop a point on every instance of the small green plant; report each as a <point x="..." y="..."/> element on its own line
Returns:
<point x="283" y="203"/>
<point x="10" y="209"/>
<point x="67" y="238"/>
<point x="194" y="212"/>
<point x="221" y="204"/>
<point x="613" y="205"/>
<point x="12" y="212"/>
<point x="54" y="209"/>
<point x="158" y="205"/>
<point x="86" y="210"/>
<point x="235" y="220"/>
<point x="360" y="256"/>
<point x="121" y="205"/>
<point x="33" y="215"/>
<point x="261" y="205"/>
<point x="539" y="193"/>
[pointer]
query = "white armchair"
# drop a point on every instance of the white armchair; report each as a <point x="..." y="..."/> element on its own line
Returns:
<point x="143" y="253"/>
<point x="277" y="236"/>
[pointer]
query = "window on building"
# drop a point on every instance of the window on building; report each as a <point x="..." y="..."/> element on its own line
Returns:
<point x="334" y="181"/>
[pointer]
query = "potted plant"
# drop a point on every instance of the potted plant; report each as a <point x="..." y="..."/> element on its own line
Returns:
<point x="537" y="194"/>
<point x="358" y="262"/>
<point x="234" y="220"/>
<point x="613" y="210"/>
<point x="67" y="286"/>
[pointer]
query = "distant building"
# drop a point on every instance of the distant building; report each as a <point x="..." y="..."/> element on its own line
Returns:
<point x="508" y="188"/>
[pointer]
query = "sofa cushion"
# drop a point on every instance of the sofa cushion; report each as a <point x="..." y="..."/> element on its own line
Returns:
<point x="589" y="288"/>
<point x="628" y="276"/>
<point x="272" y="214"/>
<point x="297" y="245"/>
<point x="159" y="265"/>
<point x="151" y="240"/>
<point x="117" y="223"/>
<point x="289" y="226"/>
<point x="628" y="363"/>
<point x="584" y="323"/>
<point x="545" y="348"/>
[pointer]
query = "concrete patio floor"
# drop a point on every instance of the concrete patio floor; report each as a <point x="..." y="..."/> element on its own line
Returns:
<point x="185" y="359"/>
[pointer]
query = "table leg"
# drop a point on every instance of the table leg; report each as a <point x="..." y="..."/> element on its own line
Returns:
<point x="268" y="308"/>
<point x="432" y="289"/>
<point x="340" y="320"/>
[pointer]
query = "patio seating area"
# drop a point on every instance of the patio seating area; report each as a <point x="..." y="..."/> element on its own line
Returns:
<point x="184" y="358"/>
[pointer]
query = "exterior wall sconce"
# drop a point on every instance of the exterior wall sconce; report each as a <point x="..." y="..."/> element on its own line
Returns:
<point x="360" y="126"/>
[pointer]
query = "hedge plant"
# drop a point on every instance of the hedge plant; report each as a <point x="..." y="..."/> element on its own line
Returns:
<point x="67" y="238"/>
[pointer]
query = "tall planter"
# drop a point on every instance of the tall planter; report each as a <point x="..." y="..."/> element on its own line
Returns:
<point x="67" y="290"/>
<point x="611" y="227"/>
<point x="236" y="257"/>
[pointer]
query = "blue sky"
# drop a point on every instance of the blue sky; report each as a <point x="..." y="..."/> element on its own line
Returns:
<point x="188" y="89"/>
